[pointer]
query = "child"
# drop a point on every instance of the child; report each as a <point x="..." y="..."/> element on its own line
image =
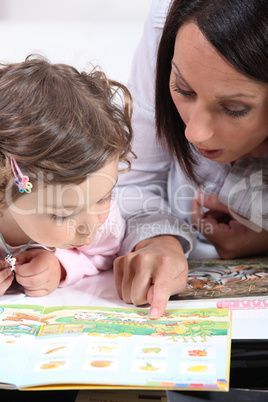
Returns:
<point x="62" y="135"/>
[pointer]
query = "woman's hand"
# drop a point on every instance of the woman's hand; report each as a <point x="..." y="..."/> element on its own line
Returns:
<point x="6" y="277"/>
<point x="231" y="238"/>
<point x="152" y="273"/>
<point x="38" y="271"/>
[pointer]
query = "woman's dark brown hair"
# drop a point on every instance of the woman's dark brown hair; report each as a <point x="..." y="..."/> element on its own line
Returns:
<point x="238" y="29"/>
<point x="60" y="124"/>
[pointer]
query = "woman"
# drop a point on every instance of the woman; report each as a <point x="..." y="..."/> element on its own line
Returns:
<point x="207" y="61"/>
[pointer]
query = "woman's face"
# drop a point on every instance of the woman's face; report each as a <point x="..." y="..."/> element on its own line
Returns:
<point x="225" y="112"/>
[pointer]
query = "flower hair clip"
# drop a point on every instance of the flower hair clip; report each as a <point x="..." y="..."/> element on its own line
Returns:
<point x="23" y="183"/>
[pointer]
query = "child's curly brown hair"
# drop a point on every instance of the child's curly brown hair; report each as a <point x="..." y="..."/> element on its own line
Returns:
<point x="60" y="124"/>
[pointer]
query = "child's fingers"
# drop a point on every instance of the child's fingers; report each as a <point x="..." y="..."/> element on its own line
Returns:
<point x="40" y="274"/>
<point x="32" y="281"/>
<point x="36" y="292"/>
<point x="6" y="279"/>
<point x="37" y="285"/>
<point x="3" y="265"/>
<point x="29" y="269"/>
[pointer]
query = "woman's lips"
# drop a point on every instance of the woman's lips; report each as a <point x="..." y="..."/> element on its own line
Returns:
<point x="211" y="154"/>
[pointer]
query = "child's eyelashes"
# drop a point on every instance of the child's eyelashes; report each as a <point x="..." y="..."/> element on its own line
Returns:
<point x="61" y="219"/>
<point x="106" y="199"/>
<point x="65" y="218"/>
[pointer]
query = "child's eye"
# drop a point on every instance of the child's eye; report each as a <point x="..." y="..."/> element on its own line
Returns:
<point x="177" y="89"/>
<point x="106" y="199"/>
<point x="60" y="218"/>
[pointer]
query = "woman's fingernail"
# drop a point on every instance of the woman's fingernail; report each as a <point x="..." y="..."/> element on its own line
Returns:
<point x="154" y="312"/>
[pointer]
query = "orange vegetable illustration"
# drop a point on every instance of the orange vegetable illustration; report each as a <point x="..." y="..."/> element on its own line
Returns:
<point x="51" y="365"/>
<point x="197" y="352"/>
<point x="100" y="363"/>
<point x="55" y="350"/>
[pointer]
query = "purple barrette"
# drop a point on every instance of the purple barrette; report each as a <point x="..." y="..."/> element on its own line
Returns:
<point x="23" y="183"/>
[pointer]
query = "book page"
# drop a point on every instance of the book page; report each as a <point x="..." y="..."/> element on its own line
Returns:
<point x="18" y="327"/>
<point x="106" y="347"/>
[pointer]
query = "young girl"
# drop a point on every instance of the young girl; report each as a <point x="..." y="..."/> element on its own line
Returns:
<point x="62" y="135"/>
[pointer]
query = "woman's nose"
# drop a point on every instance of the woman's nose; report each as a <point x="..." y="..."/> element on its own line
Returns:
<point x="199" y="127"/>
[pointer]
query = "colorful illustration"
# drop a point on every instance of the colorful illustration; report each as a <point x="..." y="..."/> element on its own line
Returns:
<point x="148" y="367"/>
<point x="55" y="349"/>
<point x="185" y="349"/>
<point x="197" y="368"/>
<point x="217" y="278"/>
<point x="103" y="349"/>
<point x="100" y="363"/>
<point x="197" y="352"/>
<point x="151" y="350"/>
<point x="52" y="365"/>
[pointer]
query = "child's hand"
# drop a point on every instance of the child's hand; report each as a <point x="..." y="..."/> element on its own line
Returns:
<point x="152" y="273"/>
<point x="38" y="271"/>
<point x="6" y="277"/>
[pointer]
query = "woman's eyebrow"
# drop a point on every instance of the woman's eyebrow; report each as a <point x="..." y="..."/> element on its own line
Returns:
<point x="231" y="96"/>
<point x="237" y="95"/>
<point x="179" y="74"/>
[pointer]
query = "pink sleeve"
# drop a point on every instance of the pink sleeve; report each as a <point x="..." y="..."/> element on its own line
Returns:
<point x="99" y="255"/>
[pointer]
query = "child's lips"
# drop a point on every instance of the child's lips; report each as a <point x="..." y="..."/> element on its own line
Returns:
<point x="79" y="245"/>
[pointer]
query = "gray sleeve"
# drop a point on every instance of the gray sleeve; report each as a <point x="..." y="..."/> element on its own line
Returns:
<point x="245" y="191"/>
<point x="142" y="192"/>
<point x="144" y="226"/>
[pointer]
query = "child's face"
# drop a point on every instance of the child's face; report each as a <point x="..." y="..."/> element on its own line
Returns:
<point x="67" y="216"/>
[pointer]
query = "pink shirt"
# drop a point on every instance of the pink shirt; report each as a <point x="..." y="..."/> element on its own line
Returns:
<point x="99" y="255"/>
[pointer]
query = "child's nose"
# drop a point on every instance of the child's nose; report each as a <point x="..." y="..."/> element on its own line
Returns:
<point x="83" y="229"/>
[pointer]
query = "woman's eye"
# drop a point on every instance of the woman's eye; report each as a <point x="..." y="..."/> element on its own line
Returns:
<point x="181" y="91"/>
<point x="235" y="113"/>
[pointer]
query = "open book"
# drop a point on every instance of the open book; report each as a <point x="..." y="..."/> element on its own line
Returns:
<point x="94" y="347"/>
<point x="217" y="278"/>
